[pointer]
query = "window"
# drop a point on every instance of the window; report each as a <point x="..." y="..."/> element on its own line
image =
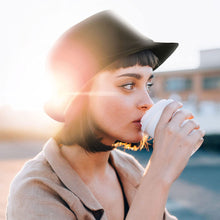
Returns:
<point x="178" y="84"/>
<point x="211" y="82"/>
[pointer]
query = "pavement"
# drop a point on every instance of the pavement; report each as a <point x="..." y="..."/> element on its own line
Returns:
<point x="194" y="195"/>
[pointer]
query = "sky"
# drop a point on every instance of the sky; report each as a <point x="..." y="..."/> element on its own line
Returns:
<point x="30" y="27"/>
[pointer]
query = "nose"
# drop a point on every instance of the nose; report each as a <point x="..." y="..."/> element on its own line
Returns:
<point x="145" y="102"/>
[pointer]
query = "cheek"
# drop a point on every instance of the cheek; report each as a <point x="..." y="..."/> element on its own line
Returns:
<point x="111" y="109"/>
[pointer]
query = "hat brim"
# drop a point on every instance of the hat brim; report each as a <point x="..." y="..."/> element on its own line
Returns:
<point x="163" y="51"/>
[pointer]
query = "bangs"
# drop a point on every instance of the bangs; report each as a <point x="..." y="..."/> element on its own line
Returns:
<point x="142" y="58"/>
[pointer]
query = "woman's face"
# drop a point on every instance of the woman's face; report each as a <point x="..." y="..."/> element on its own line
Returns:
<point x="117" y="102"/>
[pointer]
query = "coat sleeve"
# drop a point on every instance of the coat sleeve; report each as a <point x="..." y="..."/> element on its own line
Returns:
<point x="128" y="166"/>
<point x="34" y="200"/>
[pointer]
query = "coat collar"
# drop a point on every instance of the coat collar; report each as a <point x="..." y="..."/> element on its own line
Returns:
<point x="128" y="173"/>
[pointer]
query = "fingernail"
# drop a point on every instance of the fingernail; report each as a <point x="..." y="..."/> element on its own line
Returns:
<point x="180" y="103"/>
<point x="191" y="117"/>
<point x="197" y="126"/>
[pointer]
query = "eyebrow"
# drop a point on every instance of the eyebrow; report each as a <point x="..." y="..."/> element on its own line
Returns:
<point x="135" y="75"/>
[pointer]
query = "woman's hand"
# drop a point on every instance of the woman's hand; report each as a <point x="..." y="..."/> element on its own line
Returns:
<point x="174" y="143"/>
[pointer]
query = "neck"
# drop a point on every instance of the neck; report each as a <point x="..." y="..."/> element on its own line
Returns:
<point x="87" y="165"/>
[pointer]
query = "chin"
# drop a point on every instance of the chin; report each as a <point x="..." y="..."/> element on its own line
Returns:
<point x="133" y="138"/>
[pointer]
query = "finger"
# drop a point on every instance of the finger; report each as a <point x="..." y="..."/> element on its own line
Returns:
<point x="196" y="135"/>
<point x="189" y="125"/>
<point x="180" y="116"/>
<point x="197" y="146"/>
<point x="168" y="112"/>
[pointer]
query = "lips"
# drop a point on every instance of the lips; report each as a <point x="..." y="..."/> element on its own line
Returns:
<point x="138" y="120"/>
<point x="137" y="123"/>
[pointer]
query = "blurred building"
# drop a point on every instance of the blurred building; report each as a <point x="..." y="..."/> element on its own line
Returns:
<point x="195" y="85"/>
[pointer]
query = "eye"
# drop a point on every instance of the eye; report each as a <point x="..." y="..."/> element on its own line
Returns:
<point x="149" y="85"/>
<point x="128" y="86"/>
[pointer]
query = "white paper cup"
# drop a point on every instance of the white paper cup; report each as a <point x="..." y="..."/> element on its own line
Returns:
<point x="152" y="116"/>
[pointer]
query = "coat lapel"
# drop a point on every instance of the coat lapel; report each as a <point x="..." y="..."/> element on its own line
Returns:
<point x="129" y="170"/>
<point x="71" y="179"/>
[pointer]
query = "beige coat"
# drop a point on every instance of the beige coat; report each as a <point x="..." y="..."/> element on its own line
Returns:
<point x="48" y="188"/>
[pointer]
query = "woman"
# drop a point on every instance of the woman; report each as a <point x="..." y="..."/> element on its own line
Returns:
<point x="103" y="72"/>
